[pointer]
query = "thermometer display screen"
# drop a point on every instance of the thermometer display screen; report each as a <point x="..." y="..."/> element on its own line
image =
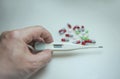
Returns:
<point x="57" y="45"/>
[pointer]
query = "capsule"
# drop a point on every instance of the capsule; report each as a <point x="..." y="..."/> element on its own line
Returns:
<point x="77" y="32"/>
<point x="76" y="28"/>
<point x="83" y="43"/>
<point x="90" y="41"/>
<point x="82" y="28"/>
<point x="62" y="31"/>
<point x="93" y="41"/>
<point x="69" y="26"/>
<point x="68" y="35"/>
<point x="65" y="40"/>
<point x="76" y="42"/>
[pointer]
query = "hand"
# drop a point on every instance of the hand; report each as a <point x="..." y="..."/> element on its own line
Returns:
<point x="16" y="60"/>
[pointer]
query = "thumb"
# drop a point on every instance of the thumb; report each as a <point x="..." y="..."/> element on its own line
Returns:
<point x="45" y="55"/>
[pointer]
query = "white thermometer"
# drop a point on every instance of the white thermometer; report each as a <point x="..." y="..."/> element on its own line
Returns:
<point x="62" y="46"/>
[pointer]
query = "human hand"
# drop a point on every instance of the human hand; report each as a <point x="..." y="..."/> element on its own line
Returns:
<point x="16" y="59"/>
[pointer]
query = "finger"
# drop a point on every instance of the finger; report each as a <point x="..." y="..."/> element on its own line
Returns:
<point x="43" y="57"/>
<point x="36" y="33"/>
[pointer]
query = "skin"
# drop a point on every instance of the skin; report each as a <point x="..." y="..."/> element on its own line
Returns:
<point x="17" y="61"/>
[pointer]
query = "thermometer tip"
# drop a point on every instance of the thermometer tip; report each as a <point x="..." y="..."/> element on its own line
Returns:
<point x="100" y="46"/>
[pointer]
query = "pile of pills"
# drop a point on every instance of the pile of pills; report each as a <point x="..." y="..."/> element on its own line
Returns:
<point x="75" y="34"/>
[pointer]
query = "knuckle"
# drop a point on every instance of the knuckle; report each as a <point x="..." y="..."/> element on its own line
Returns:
<point x="4" y="33"/>
<point x="11" y="35"/>
<point x="33" y="65"/>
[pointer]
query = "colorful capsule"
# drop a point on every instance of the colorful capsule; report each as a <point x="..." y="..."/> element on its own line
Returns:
<point x="68" y="35"/>
<point x="84" y="38"/>
<point x="77" y="32"/>
<point x="76" y="42"/>
<point x="82" y="28"/>
<point x="62" y="31"/>
<point x="90" y="41"/>
<point x="69" y="26"/>
<point x="65" y="40"/>
<point x="76" y="28"/>
<point x="83" y="43"/>
<point x="86" y="31"/>
<point x="93" y="41"/>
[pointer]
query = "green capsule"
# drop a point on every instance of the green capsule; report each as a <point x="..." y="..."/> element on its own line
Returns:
<point x="84" y="38"/>
<point x="86" y="31"/>
<point x="77" y="32"/>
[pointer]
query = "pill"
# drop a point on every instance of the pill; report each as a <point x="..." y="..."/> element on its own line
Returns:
<point x="68" y="35"/>
<point x="74" y="28"/>
<point x="69" y="26"/>
<point x="86" y="31"/>
<point x="90" y="41"/>
<point x="83" y="38"/>
<point x="65" y="40"/>
<point x="77" y="32"/>
<point x="82" y="28"/>
<point x="62" y="31"/>
<point x="83" y="43"/>
<point x="93" y="41"/>
<point x="76" y="42"/>
<point x="78" y="27"/>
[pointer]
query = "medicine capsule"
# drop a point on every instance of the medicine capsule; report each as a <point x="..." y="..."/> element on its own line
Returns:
<point x="86" y="31"/>
<point x="90" y="41"/>
<point x="69" y="26"/>
<point x="62" y="31"/>
<point x="82" y="28"/>
<point x="65" y="40"/>
<point x="77" y="32"/>
<point x="77" y="27"/>
<point x="68" y="35"/>
<point x="74" y="27"/>
<point x="93" y="41"/>
<point x="83" y="43"/>
<point x="76" y="42"/>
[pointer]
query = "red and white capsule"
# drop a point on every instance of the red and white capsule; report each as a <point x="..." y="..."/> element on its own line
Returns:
<point x="83" y="43"/>
<point x="76" y="28"/>
<point x="76" y="42"/>
<point x="82" y="28"/>
<point x="69" y="26"/>
<point x="65" y="40"/>
<point x="68" y="35"/>
<point x="62" y="31"/>
<point x="90" y="41"/>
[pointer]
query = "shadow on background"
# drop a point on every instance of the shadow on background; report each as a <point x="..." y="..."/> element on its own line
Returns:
<point x="65" y="55"/>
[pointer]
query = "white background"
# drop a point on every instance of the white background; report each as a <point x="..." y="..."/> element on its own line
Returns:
<point x="101" y="17"/>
